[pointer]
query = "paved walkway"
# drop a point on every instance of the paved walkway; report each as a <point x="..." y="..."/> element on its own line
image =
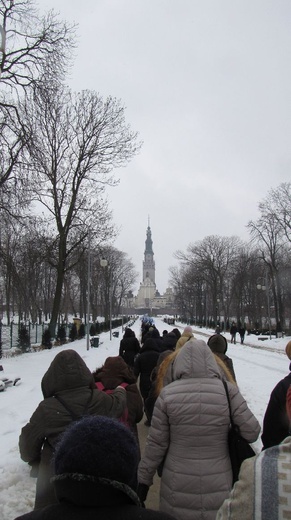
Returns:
<point x="152" y="501"/>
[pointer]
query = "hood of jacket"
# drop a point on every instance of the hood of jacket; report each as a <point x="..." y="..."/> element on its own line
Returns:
<point x="66" y="371"/>
<point x="114" y="372"/>
<point x="151" y="344"/>
<point x="194" y="359"/>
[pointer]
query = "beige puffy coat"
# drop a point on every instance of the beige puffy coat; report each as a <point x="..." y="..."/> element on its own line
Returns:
<point x="190" y="426"/>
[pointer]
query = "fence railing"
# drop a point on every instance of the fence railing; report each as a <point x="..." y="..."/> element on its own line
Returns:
<point x="9" y="334"/>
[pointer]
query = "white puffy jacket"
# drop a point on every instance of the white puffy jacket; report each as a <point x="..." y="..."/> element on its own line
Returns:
<point x="190" y="426"/>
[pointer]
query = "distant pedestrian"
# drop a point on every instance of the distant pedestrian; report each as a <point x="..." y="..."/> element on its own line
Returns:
<point x="242" y="332"/>
<point x="233" y="333"/>
<point x="129" y="347"/>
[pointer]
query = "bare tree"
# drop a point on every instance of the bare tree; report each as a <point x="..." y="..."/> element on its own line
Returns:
<point x="277" y="205"/>
<point x="32" y="44"/>
<point x="267" y="232"/>
<point x="77" y="140"/>
<point x="33" y="47"/>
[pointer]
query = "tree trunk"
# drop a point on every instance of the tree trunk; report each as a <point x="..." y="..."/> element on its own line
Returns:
<point x="59" y="286"/>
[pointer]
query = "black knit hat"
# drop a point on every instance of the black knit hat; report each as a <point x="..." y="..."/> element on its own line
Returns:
<point x="217" y="343"/>
<point x="100" y="447"/>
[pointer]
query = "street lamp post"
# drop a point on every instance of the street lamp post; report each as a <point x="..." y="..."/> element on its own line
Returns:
<point x="265" y="287"/>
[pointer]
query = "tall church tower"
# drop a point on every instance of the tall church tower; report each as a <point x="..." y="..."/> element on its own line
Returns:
<point x="149" y="269"/>
<point x="147" y="288"/>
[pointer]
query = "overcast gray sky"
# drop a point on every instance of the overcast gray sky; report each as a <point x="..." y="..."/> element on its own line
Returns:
<point x="206" y="83"/>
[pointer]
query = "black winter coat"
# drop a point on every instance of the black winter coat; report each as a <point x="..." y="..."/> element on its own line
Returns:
<point x="84" y="498"/>
<point x="276" y="424"/>
<point x="69" y="378"/>
<point x="129" y="348"/>
<point x="144" y="364"/>
<point x="169" y="341"/>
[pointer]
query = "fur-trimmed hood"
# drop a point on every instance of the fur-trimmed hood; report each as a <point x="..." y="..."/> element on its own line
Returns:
<point x="182" y="340"/>
<point x="166" y="373"/>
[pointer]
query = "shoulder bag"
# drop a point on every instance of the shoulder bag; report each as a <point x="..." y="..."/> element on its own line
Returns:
<point x="239" y="448"/>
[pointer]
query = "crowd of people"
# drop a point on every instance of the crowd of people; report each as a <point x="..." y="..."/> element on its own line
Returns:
<point x="83" y="447"/>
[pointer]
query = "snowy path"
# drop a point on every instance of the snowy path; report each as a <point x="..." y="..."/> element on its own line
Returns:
<point x="258" y="368"/>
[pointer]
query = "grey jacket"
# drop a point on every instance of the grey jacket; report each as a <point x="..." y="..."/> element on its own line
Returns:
<point x="189" y="428"/>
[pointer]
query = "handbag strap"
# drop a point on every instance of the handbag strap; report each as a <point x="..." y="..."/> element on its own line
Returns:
<point x="228" y="400"/>
<point x="71" y="412"/>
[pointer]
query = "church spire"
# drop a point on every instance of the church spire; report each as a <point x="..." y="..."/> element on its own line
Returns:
<point x="149" y="242"/>
<point x="149" y="263"/>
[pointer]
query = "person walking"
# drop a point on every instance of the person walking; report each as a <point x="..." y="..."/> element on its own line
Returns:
<point x="115" y="372"/>
<point x="69" y="392"/>
<point x="95" y="465"/>
<point x="129" y="347"/>
<point x="242" y="332"/>
<point x="262" y="490"/>
<point x="189" y="432"/>
<point x="169" y="341"/>
<point x="144" y="364"/>
<point x="218" y="345"/>
<point x="233" y="333"/>
<point x="276" y="422"/>
<point x="154" y="390"/>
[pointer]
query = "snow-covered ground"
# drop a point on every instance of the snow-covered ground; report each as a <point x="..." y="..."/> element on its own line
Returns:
<point x="258" y="365"/>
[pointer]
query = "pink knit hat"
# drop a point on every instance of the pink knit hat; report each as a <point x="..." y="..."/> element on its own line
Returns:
<point x="189" y="330"/>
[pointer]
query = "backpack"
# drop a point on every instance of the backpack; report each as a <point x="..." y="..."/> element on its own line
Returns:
<point x="124" y="417"/>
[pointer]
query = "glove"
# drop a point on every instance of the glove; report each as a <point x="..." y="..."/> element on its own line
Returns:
<point x="34" y="468"/>
<point x="142" y="492"/>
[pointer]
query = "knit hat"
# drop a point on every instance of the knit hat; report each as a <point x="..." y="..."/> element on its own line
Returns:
<point x="188" y="329"/>
<point x="288" y="349"/>
<point x="177" y="333"/>
<point x="100" y="447"/>
<point x="217" y="343"/>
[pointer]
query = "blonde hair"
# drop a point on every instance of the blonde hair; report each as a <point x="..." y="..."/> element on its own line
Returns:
<point x="224" y="369"/>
